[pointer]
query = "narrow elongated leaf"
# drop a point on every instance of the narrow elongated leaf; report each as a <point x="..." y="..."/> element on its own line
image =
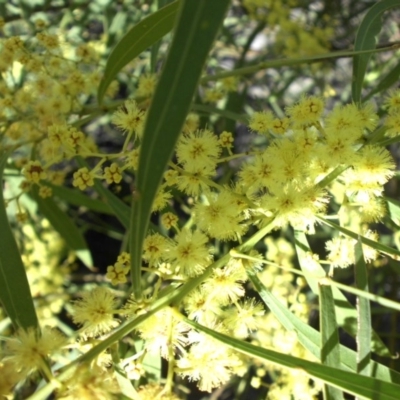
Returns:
<point x="364" y="326"/>
<point x="287" y="62"/>
<point x="197" y="25"/>
<point x="117" y="206"/>
<point x="366" y="35"/>
<point x="139" y="38"/>
<point x="358" y="385"/>
<point x="228" y="114"/>
<point x="330" y="346"/>
<point x="386" y="82"/>
<point x="63" y="224"/>
<point x="310" y="338"/>
<point x="76" y="197"/>
<point x="371" y="243"/>
<point x="394" y="209"/>
<point x="346" y="314"/>
<point x="15" y="294"/>
<point x="384" y="302"/>
<point x="125" y="385"/>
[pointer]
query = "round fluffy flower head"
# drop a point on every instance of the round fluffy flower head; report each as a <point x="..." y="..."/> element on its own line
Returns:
<point x="163" y="330"/>
<point x="13" y="44"/>
<point x="341" y="251"/>
<point x="191" y="123"/>
<point x="95" y="311"/>
<point x="225" y="285"/>
<point x="295" y="204"/>
<point x="146" y="85"/>
<point x="9" y="377"/>
<point x="368" y="116"/>
<point x="222" y="218"/>
<point x="208" y="362"/>
<point x="83" y="178"/>
<point x="393" y="100"/>
<point x="280" y="125"/>
<point x="198" y="148"/>
<point x="373" y="164"/>
<point x="213" y="95"/>
<point x="230" y="84"/>
<point x="88" y="383"/>
<point x="86" y="53"/>
<point x="27" y="349"/>
<point x="307" y="111"/>
<point x="132" y="161"/>
<point x="129" y="118"/>
<point x="262" y="122"/>
<point x="392" y="123"/>
<point x="57" y="133"/>
<point x="34" y="172"/>
<point x="154" y="248"/>
<point x="163" y="196"/>
<point x="49" y="41"/>
<point x="345" y="121"/>
<point x="244" y="319"/>
<point x="194" y="179"/>
<point x="189" y="253"/>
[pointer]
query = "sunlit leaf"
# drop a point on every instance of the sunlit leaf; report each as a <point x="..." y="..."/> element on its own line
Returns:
<point x="330" y="346"/>
<point x="347" y="381"/>
<point x="170" y="105"/>
<point x="346" y="314"/>
<point x="364" y="326"/>
<point x="309" y="338"/>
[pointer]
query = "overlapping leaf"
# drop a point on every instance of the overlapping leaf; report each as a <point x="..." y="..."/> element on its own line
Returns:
<point x="136" y="40"/>
<point x="358" y="385"/>
<point x="170" y="104"/>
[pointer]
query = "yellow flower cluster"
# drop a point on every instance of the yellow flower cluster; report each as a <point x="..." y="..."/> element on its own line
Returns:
<point x="294" y="37"/>
<point x="304" y="160"/>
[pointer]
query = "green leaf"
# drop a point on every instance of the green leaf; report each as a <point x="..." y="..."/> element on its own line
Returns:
<point x="15" y="294"/>
<point x="309" y="338"/>
<point x="364" y="325"/>
<point x="394" y="209"/>
<point x="330" y="346"/>
<point x="76" y="197"/>
<point x="350" y="382"/>
<point x="346" y="314"/>
<point x="224" y="113"/>
<point x="386" y="82"/>
<point x="125" y="385"/>
<point x="371" y="243"/>
<point x="287" y="62"/>
<point x="63" y="224"/>
<point x="369" y="28"/>
<point x="117" y="206"/>
<point x="138" y="39"/>
<point x="170" y="105"/>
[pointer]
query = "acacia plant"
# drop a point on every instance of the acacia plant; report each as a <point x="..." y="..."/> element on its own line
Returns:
<point x="244" y="185"/>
